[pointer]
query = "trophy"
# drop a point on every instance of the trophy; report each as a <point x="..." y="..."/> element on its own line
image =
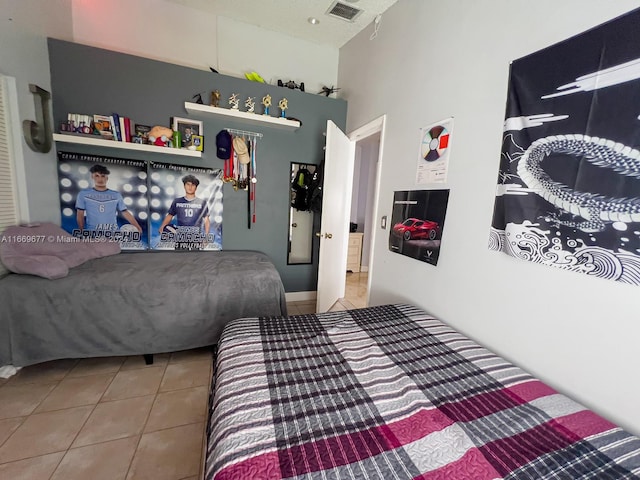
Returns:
<point x="215" y="98"/>
<point x="283" y="104"/>
<point x="266" y="101"/>
<point x="250" y="104"/>
<point x="234" y="101"/>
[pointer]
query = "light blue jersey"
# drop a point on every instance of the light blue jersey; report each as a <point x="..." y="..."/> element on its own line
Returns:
<point x="101" y="208"/>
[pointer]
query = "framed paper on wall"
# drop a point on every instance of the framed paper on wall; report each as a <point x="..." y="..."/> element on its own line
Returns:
<point x="435" y="147"/>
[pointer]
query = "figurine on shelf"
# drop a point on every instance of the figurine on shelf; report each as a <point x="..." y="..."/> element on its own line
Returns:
<point x="160" y="136"/>
<point x="266" y="101"/>
<point x="250" y="104"/>
<point x="215" y="98"/>
<point x="283" y="104"/>
<point x="291" y="84"/>
<point x="234" y="101"/>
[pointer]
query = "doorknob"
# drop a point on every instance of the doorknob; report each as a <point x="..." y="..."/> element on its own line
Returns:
<point x="294" y="225"/>
<point x="326" y="235"/>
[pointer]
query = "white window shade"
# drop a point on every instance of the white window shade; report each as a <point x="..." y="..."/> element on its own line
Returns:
<point x="8" y="198"/>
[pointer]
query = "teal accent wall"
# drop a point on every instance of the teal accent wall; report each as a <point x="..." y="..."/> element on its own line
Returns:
<point x="90" y="80"/>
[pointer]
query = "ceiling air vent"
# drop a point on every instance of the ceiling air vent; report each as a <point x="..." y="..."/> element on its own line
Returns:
<point x="343" y="11"/>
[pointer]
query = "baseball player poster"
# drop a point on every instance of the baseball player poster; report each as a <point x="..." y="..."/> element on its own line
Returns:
<point x="104" y="199"/>
<point x="185" y="207"/>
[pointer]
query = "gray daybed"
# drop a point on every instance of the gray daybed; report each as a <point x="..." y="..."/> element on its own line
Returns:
<point x="134" y="303"/>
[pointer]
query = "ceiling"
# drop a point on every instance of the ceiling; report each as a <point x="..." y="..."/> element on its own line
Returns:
<point x="290" y="17"/>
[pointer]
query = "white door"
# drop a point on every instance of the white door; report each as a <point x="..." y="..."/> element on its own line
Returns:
<point x="336" y="206"/>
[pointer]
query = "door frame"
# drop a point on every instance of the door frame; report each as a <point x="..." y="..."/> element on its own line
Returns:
<point x="373" y="127"/>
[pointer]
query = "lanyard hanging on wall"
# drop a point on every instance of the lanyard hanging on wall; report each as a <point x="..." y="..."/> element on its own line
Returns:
<point x="240" y="159"/>
<point x="228" y="172"/>
<point x="243" y="173"/>
<point x="253" y="181"/>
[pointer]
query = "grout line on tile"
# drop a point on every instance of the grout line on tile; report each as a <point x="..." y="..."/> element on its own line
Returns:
<point x="88" y="417"/>
<point x="105" y="390"/>
<point x="79" y="430"/>
<point x="35" y="456"/>
<point x="155" y="398"/>
<point x="57" y="465"/>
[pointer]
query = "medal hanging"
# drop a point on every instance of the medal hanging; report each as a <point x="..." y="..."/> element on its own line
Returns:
<point x="254" y="180"/>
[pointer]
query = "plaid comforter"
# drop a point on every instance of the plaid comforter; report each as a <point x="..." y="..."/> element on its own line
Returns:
<point x="390" y="392"/>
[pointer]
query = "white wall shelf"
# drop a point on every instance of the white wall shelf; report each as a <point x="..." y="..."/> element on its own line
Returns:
<point x="204" y="111"/>
<point x="99" y="142"/>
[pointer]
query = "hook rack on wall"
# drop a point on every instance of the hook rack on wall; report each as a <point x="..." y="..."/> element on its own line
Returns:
<point x="243" y="133"/>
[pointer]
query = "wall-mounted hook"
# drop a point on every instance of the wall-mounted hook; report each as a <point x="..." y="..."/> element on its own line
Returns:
<point x="38" y="134"/>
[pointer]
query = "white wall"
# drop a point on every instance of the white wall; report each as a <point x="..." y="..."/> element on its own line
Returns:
<point x="432" y="60"/>
<point x="24" y="27"/>
<point x="177" y="34"/>
<point x="245" y="48"/>
<point x="154" y="29"/>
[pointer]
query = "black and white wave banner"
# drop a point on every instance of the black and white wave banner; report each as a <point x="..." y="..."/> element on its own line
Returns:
<point x="568" y="191"/>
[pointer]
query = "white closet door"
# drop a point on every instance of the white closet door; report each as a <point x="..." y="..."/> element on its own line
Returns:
<point x="8" y="198"/>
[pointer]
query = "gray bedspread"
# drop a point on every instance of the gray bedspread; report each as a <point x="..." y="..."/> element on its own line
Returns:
<point x="134" y="303"/>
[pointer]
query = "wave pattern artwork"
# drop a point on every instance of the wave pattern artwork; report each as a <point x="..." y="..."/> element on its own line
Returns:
<point x="529" y="242"/>
<point x="568" y="190"/>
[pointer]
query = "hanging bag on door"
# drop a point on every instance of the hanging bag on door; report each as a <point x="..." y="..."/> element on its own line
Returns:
<point x="300" y="189"/>
<point x="314" y="193"/>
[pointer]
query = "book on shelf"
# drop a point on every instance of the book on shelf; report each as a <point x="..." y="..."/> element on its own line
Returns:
<point x="123" y="130"/>
<point x="115" y="125"/>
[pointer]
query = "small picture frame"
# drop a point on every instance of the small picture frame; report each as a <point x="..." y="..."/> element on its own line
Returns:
<point x="187" y="127"/>
<point x="197" y="141"/>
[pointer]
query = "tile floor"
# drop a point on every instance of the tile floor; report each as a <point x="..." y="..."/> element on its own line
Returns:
<point x="356" y="289"/>
<point x="106" y="418"/>
<point x="355" y="296"/>
<point x="116" y="418"/>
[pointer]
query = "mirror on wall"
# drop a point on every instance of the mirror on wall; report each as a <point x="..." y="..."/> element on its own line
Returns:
<point x="300" y="217"/>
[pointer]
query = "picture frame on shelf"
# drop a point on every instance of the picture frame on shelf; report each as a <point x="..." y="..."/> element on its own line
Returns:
<point x="187" y="127"/>
<point x="102" y="124"/>
<point x="197" y="141"/>
<point x="141" y="133"/>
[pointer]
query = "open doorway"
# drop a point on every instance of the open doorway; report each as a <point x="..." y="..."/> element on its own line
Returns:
<point x="339" y="173"/>
<point x="369" y="140"/>
<point x="361" y="230"/>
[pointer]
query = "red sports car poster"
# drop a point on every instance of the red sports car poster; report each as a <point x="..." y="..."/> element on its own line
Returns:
<point x="417" y="223"/>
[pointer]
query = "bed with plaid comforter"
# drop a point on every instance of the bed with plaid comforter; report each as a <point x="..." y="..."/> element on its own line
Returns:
<point x="388" y="393"/>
